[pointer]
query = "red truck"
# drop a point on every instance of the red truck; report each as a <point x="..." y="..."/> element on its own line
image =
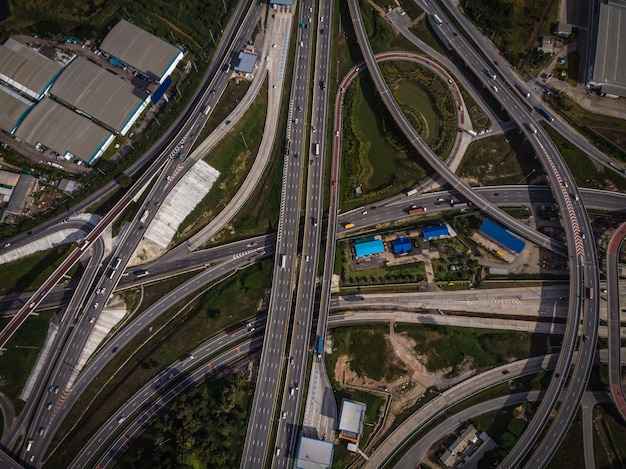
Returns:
<point x="413" y="209"/>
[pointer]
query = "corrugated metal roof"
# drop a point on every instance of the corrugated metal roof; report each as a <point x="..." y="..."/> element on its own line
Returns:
<point x="314" y="454"/>
<point x="431" y="232"/>
<point x="12" y="108"/>
<point x="401" y="245"/>
<point x="610" y="54"/>
<point x="98" y="93"/>
<point x="22" y="190"/>
<point x="7" y="178"/>
<point x="20" y="65"/>
<point x="366" y="248"/>
<point x="502" y="236"/>
<point x="247" y="61"/>
<point x="56" y="127"/>
<point x="140" y="49"/>
<point x="351" y="419"/>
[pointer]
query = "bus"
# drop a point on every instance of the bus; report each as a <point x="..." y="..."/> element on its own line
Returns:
<point x="411" y="192"/>
<point x="545" y="113"/>
<point x="144" y="216"/>
<point x="316" y="149"/>
<point x="283" y="261"/>
<point x="320" y="347"/>
<point x="437" y="20"/>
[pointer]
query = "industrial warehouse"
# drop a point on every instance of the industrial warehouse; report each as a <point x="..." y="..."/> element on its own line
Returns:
<point x="106" y="98"/>
<point x="128" y="45"/>
<point x="73" y="107"/>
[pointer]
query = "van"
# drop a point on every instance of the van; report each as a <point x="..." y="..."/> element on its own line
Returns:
<point x="292" y="391"/>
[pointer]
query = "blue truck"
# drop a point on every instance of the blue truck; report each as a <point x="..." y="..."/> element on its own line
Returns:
<point x="545" y="113"/>
<point x="320" y="347"/>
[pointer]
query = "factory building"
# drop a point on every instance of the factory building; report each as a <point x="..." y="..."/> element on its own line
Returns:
<point x="368" y="247"/>
<point x="435" y="232"/>
<point x="50" y="125"/>
<point x="99" y="94"/>
<point x="351" y="421"/>
<point x="26" y="70"/>
<point x="129" y="45"/>
<point x="13" y="108"/>
<point x="314" y="454"/>
<point x="606" y="63"/>
<point x="502" y="237"/>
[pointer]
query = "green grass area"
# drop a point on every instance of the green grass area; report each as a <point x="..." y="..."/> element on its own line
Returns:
<point x="380" y="33"/>
<point x="31" y="272"/>
<point x="232" y="157"/>
<point x="178" y="331"/>
<point x="513" y="26"/>
<point x="205" y="427"/>
<point x="455" y="263"/>
<point x="585" y="172"/>
<point x="371" y="142"/>
<point x="154" y="291"/>
<point x="605" y="132"/>
<point x="412" y="95"/>
<point x="342" y="458"/>
<point x="568" y="71"/>
<point x="609" y="437"/>
<point x="21" y="352"/>
<point x="370" y="354"/>
<point x="185" y="26"/>
<point x="423" y="31"/>
<point x="501" y="159"/>
<point x="234" y="92"/>
<point x="504" y="427"/>
<point x="411" y="8"/>
<point x="447" y="347"/>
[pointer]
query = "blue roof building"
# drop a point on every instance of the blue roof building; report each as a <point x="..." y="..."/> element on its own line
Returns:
<point x="368" y="247"/>
<point x="247" y="62"/>
<point x="502" y="236"/>
<point x="434" y="232"/>
<point x="401" y="245"/>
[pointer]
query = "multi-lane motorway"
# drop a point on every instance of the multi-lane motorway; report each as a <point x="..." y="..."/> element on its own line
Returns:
<point x="581" y="249"/>
<point x="260" y="432"/>
<point x="287" y="338"/>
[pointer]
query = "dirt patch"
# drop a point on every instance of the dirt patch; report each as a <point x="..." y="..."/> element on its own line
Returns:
<point x="405" y="391"/>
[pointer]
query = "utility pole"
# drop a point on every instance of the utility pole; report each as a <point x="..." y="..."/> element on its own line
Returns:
<point x="212" y="36"/>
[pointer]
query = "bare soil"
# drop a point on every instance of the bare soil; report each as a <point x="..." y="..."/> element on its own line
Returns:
<point x="407" y="389"/>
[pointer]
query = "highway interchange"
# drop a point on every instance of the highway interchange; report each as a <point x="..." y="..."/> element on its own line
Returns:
<point x="293" y="309"/>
